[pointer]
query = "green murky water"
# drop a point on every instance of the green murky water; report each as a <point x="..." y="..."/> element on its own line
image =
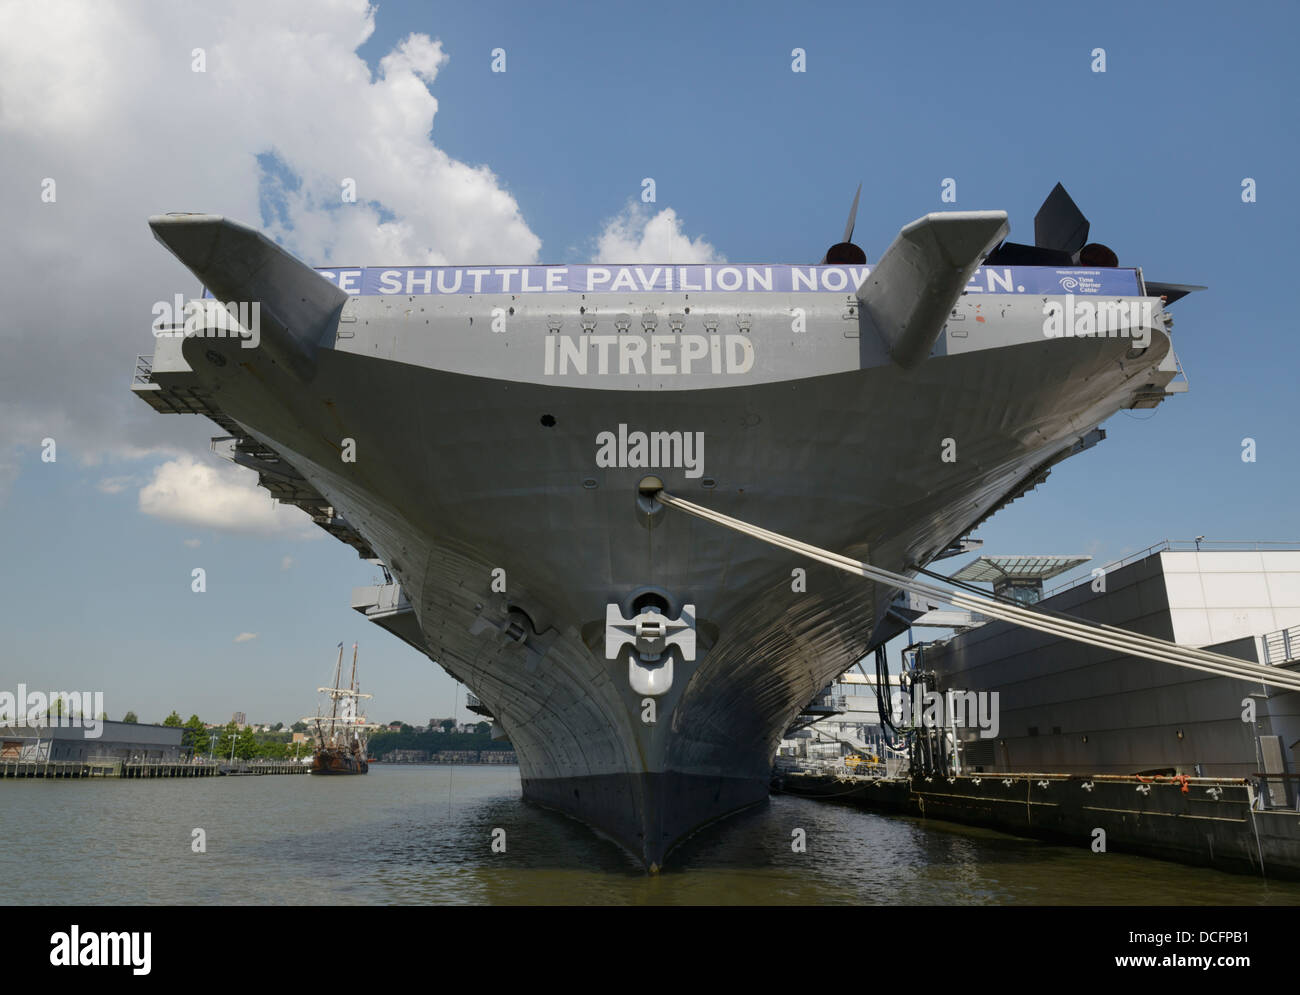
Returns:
<point x="423" y="835"/>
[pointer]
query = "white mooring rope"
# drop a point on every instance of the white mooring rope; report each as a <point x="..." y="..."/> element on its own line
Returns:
<point x="1089" y="633"/>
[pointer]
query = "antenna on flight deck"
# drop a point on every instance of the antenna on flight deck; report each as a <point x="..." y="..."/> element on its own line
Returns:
<point x="845" y="251"/>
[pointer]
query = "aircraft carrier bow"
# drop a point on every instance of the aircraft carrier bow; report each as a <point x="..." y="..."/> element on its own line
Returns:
<point x="484" y="433"/>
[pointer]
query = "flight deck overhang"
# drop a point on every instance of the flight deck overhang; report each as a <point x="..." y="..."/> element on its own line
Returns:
<point x="387" y="606"/>
<point x="167" y="384"/>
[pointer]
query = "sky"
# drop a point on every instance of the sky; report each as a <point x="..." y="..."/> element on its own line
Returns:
<point x="545" y="162"/>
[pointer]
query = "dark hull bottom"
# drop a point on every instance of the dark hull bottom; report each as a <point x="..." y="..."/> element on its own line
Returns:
<point x="647" y="814"/>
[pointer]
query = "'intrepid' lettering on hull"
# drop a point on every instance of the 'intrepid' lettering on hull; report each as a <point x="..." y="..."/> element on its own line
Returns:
<point x="659" y="355"/>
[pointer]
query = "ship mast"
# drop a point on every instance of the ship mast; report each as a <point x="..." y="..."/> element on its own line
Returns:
<point x="338" y="672"/>
<point x="354" y="735"/>
<point x="355" y="723"/>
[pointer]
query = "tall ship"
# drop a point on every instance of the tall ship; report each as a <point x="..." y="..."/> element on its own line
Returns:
<point x="341" y="736"/>
<point x="502" y="441"/>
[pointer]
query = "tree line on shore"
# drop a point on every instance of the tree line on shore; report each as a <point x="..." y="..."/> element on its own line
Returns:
<point x="278" y="743"/>
<point x="243" y="743"/>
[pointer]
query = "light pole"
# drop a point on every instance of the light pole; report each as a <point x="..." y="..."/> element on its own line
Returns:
<point x="213" y="747"/>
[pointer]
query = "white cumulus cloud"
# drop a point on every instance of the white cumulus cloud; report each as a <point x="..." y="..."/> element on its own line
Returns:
<point x="227" y="498"/>
<point x="635" y="235"/>
<point x="244" y="637"/>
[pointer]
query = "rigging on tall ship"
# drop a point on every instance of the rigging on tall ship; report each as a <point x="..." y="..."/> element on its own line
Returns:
<point x="341" y="736"/>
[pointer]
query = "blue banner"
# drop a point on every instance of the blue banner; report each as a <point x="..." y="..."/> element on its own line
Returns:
<point x="711" y="278"/>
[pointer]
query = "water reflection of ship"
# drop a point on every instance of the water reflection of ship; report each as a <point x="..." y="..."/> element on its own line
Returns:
<point x="341" y="735"/>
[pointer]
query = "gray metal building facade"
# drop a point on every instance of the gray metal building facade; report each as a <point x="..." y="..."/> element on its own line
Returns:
<point x="1070" y="708"/>
<point x="117" y="740"/>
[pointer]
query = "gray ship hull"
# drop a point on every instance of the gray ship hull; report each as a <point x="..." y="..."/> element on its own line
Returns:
<point x="465" y="483"/>
<point x="647" y="813"/>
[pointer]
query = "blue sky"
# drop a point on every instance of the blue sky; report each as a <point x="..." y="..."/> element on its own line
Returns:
<point x="762" y="162"/>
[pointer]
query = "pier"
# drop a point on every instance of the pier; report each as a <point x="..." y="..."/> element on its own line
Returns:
<point x="266" y="767"/>
<point x="1213" y="822"/>
<point x="116" y="768"/>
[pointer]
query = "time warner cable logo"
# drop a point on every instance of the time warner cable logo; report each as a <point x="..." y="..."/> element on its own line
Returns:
<point x="100" y="949"/>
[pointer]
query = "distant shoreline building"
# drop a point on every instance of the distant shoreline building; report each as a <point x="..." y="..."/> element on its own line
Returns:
<point x="128" y="741"/>
<point x="407" y="757"/>
<point x="450" y="757"/>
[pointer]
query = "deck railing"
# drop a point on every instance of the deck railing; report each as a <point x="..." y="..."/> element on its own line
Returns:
<point x="1282" y="646"/>
<point x="1182" y="546"/>
<point x="143" y="370"/>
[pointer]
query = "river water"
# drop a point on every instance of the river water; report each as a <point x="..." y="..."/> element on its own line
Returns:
<point x="423" y="835"/>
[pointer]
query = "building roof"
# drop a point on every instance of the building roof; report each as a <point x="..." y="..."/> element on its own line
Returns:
<point x="992" y="569"/>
